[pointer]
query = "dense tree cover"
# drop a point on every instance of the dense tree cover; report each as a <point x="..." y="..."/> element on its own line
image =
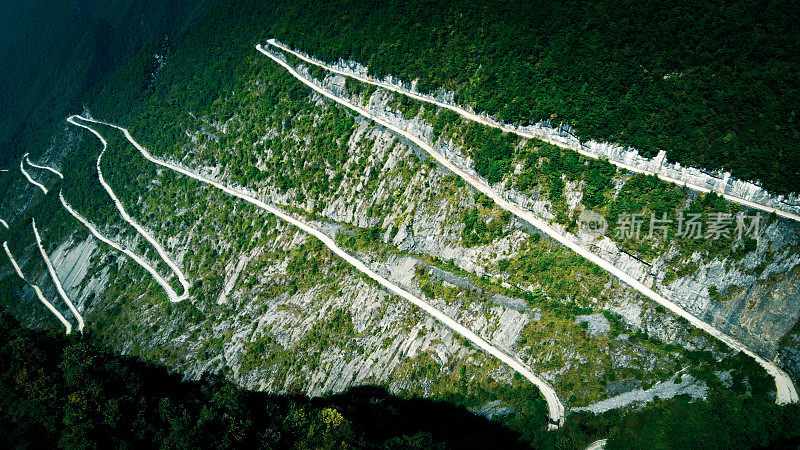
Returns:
<point x="493" y="150"/>
<point x="716" y="90"/>
<point x="57" y="54"/>
<point x="712" y="83"/>
<point x="484" y="222"/>
<point x="64" y="392"/>
<point x="649" y="215"/>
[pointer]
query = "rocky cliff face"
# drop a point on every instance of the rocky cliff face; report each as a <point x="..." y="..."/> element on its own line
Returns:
<point x="274" y="310"/>
<point x="761" y="307"/>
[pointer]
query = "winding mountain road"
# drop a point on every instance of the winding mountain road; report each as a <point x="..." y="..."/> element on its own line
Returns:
<point x="786" y="392"/>
<point x="38" y="291"/>
<point x="127" y="218"/>
<point x="171" y="294"/>
<point x="555" y="407"/>
<point x="50" y="169"/>
<point x="510" y="129"/>
<point x="57" y="282"/>
<point x="28" y="176"/>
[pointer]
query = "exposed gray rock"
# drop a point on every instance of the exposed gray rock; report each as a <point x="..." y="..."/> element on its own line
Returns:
<point x="510" y="302"/>
<point x="389" y="337"/>
<point x="598" y="324"/>
<point x="757" y="326"/>
<point x="790" y="354"/>
<point x="725" y="376"/>
<point x="678" y="385"/>
<point x="622" y="386"/>
<point x="495" y="408"/>
<point x="72" y="262"/>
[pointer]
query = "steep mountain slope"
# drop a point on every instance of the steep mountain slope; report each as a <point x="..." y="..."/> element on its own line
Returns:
<point x="273" y="309"/>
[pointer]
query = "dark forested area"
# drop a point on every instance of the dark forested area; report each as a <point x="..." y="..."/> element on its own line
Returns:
<point x="714" y="84"/>
<point x="64" y="392"/>
<point x="58" y="391"/>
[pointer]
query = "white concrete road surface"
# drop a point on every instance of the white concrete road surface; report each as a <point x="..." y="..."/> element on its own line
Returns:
<point x="171" y="294"/>
<point x="38" y="291"/>
<point x="599" y="444"/>
<point x="54" y="276"/>
<point x="127" y="218"/>
<point x="28" y="176"/>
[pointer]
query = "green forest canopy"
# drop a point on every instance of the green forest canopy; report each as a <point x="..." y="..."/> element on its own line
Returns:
<point x="712" y="83"/>
<point x="58" y="391"/>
